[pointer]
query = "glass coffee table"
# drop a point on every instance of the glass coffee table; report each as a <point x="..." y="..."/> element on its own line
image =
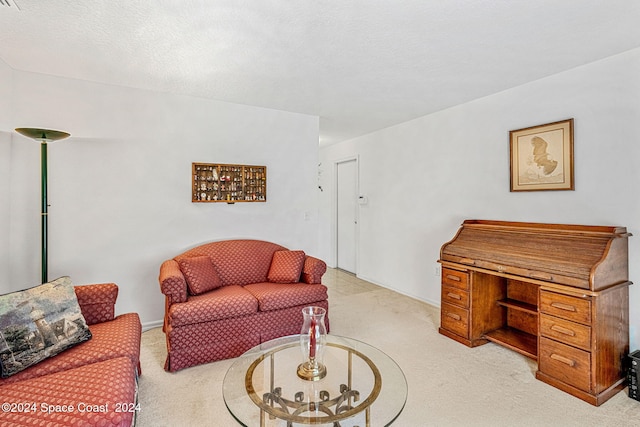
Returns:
<point x="362" y="387"/>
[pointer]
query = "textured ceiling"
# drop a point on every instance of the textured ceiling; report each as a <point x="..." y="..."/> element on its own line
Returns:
<point x="361" y="65"/>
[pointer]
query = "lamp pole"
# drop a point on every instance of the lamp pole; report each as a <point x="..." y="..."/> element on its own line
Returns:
<point x="43" y="210"/>
<point x="43" y="136"/>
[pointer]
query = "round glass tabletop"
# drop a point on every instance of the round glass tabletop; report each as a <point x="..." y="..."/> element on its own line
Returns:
<point x="362" y="387"/>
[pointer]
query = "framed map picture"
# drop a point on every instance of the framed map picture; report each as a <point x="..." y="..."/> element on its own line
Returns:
<point x="541" y="157"/>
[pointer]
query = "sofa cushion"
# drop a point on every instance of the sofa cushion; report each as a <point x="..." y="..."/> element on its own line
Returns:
<point x="99" y="394"/>
<point x="227" y="301"/>
<point x="284" y="295"/>
<point x="286" y="266"/>
<point x="200" y="274"/>
<point x="117" y="338"/>
<point x="39" y="323"/>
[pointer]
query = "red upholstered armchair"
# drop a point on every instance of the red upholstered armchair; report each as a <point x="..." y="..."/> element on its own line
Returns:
<point x="222" y="298"/>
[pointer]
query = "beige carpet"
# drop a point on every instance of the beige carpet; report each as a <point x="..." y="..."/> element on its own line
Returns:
<point x="449" y="384"/>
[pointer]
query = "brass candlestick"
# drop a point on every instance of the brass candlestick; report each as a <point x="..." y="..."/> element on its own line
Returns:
<point x="312" y="370"/>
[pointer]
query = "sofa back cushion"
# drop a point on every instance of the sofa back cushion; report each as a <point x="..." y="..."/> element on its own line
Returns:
<point x="238" y="262"/>
<point x="200" y="274"/>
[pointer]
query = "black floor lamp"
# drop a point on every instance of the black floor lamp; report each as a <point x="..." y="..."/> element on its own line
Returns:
<point x="44" y="136"/>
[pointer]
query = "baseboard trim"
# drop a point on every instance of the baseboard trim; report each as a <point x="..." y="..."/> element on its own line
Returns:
<point x="151" y="325"/>
<point x="391" y="288"/>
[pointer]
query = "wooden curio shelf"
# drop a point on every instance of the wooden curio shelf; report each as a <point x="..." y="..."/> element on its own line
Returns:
<point x="215" y="183"/>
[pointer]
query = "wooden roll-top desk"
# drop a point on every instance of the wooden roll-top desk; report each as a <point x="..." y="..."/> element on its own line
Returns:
<point x="558" y="294"/>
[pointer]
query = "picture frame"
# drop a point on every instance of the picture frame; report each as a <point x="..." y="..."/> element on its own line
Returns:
<point x="541" y="157"/>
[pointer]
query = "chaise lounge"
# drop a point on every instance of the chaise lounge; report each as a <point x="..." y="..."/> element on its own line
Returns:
<point x="225" y="297"/>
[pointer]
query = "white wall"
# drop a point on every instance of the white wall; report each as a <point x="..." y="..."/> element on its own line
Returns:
<point x="6" y="76"/>
<point x="424" y="177"/>
<point x="120" y="187"/>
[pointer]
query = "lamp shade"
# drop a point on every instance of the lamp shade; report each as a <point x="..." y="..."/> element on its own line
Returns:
<point x="42" y="135"/>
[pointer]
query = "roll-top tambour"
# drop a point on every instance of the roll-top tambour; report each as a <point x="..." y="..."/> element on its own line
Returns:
<point x="582" y="256"/>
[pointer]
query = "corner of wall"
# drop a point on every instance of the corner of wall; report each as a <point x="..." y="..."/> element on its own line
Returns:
<point x="6" y="96"/>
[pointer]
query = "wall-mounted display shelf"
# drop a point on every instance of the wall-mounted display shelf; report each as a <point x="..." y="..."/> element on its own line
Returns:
<point x="212" y="182"/>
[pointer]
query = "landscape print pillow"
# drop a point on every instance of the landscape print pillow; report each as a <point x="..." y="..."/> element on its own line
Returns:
<point x="38" y="323"/>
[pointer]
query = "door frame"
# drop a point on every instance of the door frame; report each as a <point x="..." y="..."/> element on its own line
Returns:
<point x="334" y="225"/>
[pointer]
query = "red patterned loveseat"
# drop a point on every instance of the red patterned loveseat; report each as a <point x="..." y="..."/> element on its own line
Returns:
<point x="91" y="384"/>
<point x="224" y="297"/>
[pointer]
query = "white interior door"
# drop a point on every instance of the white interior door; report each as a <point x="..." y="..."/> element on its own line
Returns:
<point x="347" y="214"/>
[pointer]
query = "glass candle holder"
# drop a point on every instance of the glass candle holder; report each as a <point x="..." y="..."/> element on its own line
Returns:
<point x="313" y="337"/>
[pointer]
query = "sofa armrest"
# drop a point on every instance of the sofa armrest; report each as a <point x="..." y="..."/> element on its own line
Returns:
<point x="313" y="270"/>
<point x="172" y="282"/>
<point x="97" y="301"/>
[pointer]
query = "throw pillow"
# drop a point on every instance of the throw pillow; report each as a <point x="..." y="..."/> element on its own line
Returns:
<point x="200" y="273"/>
<point x="286" y="266"/>
<point x="38" y="323"/>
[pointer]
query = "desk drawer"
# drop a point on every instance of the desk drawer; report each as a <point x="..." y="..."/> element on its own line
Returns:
<point x="455" y="319"/>
<point x="455" y="296"/>
<point x="566" y="307"/>
<point x="570" y="333"/>
<point x="455" y="278"/>
<point x="565" y="363"/>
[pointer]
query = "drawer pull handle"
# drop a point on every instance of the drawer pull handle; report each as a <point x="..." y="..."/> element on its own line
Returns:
<point x="454" y="316"/>
<point x="467" y="261"/>
<point x="562" y="330"/>
<point x="562" y="306"/>
<point x="454" y="278"/>
<point x="454" y="296"/>
<point x="563" y="359"/>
